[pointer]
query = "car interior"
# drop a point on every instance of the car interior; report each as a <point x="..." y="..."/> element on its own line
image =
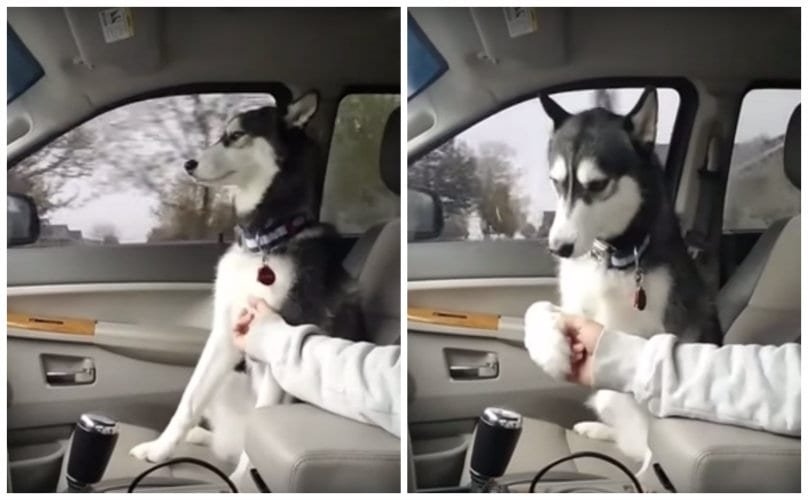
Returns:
<point x="115" y="330"/>
<point x="467" y="296"/>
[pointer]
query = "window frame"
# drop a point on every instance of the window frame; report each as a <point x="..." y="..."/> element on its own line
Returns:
<point x="436" y="259"/>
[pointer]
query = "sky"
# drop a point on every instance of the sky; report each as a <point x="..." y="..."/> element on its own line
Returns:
<point x="524" y="127"/>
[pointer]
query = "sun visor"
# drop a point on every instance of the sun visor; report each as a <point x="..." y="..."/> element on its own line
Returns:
<point x="528" y="35"/>
<point x="121" y="37"/>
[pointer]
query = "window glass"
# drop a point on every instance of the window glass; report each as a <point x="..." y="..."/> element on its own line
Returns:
<point x="493" y="177"/>
<point x="354" y="196"/>
<point x="758" y="191"/>
<point x="119" y="177"/>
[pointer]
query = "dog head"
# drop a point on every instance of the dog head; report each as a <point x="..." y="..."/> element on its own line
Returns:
<point x="256" y="150"/>
<point x="598" y="165"/>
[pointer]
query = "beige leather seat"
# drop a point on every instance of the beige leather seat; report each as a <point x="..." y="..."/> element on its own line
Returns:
<point x="760" y="304"/>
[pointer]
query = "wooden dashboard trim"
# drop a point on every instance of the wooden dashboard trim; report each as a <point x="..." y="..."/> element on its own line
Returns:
<point x="51" y="324"/>
<point x="479" y="321"/>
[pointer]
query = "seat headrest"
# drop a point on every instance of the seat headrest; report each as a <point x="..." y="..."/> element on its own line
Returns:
<point x="390" y="154"/>
<point x="791" y="148"/>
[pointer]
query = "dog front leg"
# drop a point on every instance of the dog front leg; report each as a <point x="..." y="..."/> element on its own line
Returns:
<point x="268" y="393"/>
<point x="218" y="357"/>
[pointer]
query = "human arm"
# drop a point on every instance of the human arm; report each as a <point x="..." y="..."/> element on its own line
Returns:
<point x="357" y="380"/>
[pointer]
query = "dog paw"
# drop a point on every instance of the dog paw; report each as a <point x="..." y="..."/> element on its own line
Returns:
<point x="152" y="451"/>
<point x="545" y="342"/>
<point x="595" y="430"/>
<point x="199" y="436"/>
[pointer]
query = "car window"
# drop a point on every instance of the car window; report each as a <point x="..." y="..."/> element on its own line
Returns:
<point x="354" y="195"/>
<point x="493" y="177"/>
<point x="118" y="178"/>
<point x="758" y="191"/>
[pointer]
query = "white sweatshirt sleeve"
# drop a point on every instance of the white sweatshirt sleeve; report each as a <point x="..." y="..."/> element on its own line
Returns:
<point x="752" y="386"/>
<point x="357" y="380"/>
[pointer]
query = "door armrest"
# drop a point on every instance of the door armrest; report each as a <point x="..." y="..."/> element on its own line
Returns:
<point x="706" y="457"/>
<point x="301" y="448"/>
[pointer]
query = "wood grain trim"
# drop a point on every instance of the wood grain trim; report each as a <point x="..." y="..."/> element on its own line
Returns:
<point x="453" y="318"/>
<point x="51" y="324"/>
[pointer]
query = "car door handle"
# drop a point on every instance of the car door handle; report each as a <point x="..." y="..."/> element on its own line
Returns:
<point x="471" y="364"/>
<point x="465" y="372"/>
<point x="68" y="370"/>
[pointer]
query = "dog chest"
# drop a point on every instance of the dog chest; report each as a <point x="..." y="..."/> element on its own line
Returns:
<point x="607" y="296"/>
<point x="237" y="278"/>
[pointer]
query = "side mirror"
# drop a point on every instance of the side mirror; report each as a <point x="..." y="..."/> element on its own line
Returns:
<point x="23" y="221"/>
<point x="424" y="215"/>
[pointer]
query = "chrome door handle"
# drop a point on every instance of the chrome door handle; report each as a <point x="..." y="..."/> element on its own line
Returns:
<point x="68" y="370"/>
<point x="467" y="372"/>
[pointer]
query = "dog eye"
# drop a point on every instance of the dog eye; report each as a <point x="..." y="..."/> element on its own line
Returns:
<point x="236" y="135"/>
<point x="597" y="186"/>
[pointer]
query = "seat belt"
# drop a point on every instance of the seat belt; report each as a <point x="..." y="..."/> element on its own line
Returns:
<point x="697" y="237"/>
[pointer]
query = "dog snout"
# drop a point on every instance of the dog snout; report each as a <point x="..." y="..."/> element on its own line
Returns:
<point x="562" y="250"/>
<point x="191" y="165"/>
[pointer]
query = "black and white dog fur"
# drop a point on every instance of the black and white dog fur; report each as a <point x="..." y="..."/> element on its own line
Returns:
<point x="612" y="201"/>
<point x="268" y="160"/>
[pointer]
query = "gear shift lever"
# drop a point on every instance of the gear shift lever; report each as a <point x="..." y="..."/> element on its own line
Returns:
<point x="93" y="442"/>
<point x="497" y="434"/>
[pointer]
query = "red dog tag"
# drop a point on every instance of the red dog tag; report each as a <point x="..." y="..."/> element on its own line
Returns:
<point x="639" y="299"/>
<point x="266" y="276"/>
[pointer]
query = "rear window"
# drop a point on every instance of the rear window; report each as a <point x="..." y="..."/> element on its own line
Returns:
<point x="758" y="191"/>
<point x="493" y="177"/>
<point x="354" y="196"/>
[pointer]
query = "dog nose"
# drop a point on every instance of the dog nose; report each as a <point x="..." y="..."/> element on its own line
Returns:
<point x="563" y="251"/>
<point x="191" y="165"/>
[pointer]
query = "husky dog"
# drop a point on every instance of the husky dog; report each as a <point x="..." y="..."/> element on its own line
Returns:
<point x="623" y="261"/>
<point x="282" y="256"/>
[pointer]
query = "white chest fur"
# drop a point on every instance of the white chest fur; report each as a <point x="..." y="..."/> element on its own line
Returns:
<point x="607" y="296"/>
<point x="237" y="279"/>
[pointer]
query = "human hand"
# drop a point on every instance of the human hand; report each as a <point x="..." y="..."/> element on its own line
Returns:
<point x="583" y="335"/>
<point x="561" y="344"/>
<point x="258" y="309"/>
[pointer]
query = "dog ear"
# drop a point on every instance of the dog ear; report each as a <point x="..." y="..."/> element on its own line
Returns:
<point x="300" y="111"/>
<point x="553" y="110"/>
<point x="642" y="120"/>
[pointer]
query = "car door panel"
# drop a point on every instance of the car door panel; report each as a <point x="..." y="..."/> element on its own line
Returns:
<point x="436" y="396"/>
<point x="144" y="342"/>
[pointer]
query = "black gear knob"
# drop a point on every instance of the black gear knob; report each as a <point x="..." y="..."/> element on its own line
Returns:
<point x="497" y="434"/>
<point x="93" y="442"/>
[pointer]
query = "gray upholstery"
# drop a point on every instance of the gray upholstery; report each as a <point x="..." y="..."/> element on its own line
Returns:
<point x="706" y="457"/>
<point x="542" y="442"/>
<point x="791" y="153"/>
<point x="760" y="304"/>
<point x="761" y="301"/>
<point x="300" y="448"/>
<point x="390" y="152"/>
<point x="380" y="286"/>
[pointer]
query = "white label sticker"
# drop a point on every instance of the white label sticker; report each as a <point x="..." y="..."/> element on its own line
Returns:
<point x="117" y="24"/>
<point x="521" y="20"/>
